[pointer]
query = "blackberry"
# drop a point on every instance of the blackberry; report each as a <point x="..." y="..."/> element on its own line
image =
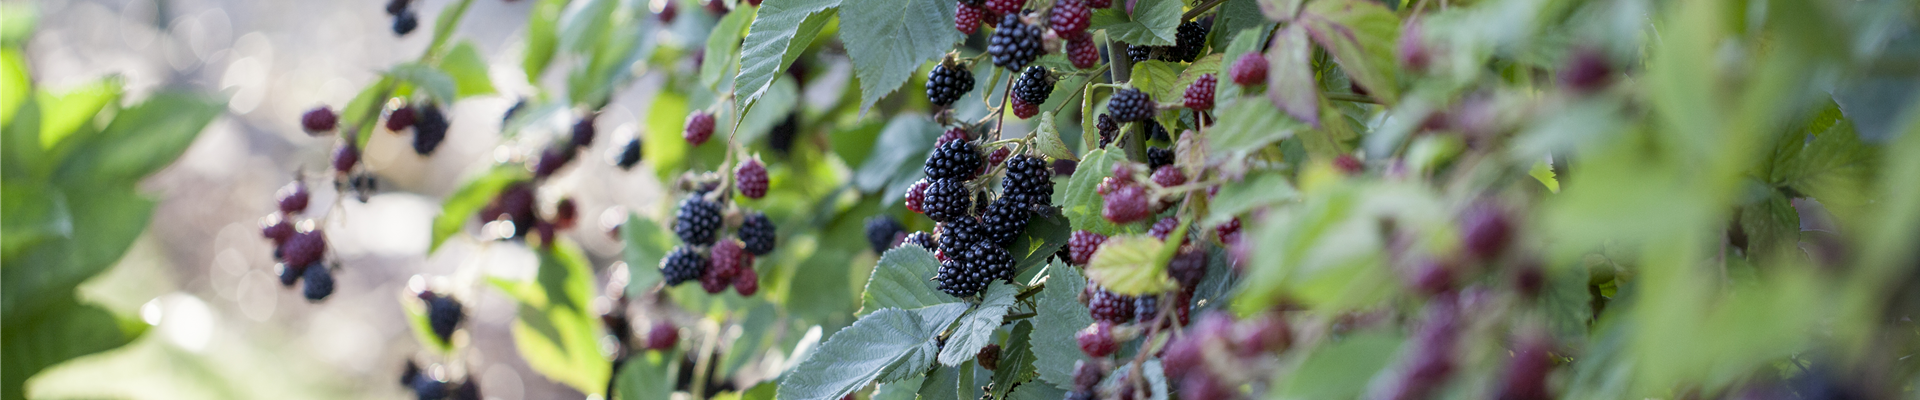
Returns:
<point x="957" y="278"/>
<point x="947" y="82"/>
<point x="662" y="336"/>
<point x="1096" y="340"/>
<point x="1485" y="231"/>
<point x="699" y="128"/>
<point x="880" y="232"/>
<point x="1139" y="53"/>
<point x="959" y="235"/>
<point x="1249" y="70"/>
<point x="1086" y="375"/>
<point x="1082" y="52"/>
<point x="999" y="155"/>
<point x="408" y="373"/>
<point x="1205" y="387"/>
<point x="1525" y="377"/>
<point x="305" y="248"/>
<point x="400" y="119"/>
<point x="1110" y="307"/>
<point x="394" y="7"/>
<point x="1155" y="131"/>
<point x="1064" y="167"/>
<point x="1108" y="129"/>
<point x="1005" y="6"/>
<point x="290" y="274"/>
<point x="345" y="157"/>
<point x="429" y="130"/>
<point x="319" y="282"/>
<point x="1146" y="309"/>
<point x="515" y="204"/>
<point x="1587" y="71"/>
<point x="1164" y="227"/>
<point x="1023" y="109"/>
<point x="629" y="154"/>
<point x="969" y="273"/>
<point x="966" y="17"/>
<point x="404" y="23"/>
<point x="443" y="315"/>
<point x="916" y="196"/>
<point x="468" y="390"/>
<point x="1100" y="3"/>
<point x="1129" y="105"/>
<point x="726" y="259"/>
<point x="293" y="197"/>
<point x="667" y="13"/>
<point x="1070" y="17"/>
<point x="989" y="357"/>
<point x="1029" y="182"/>
<point x="957" y="160"/>
<point x="1082" y="244"/>
<point x="1034" y="86"/>
<point x="682" y="264"/>
<point x="745" y="281"/>
<point x="427" y="388"/>
<point x="583" y="132"/>
<point x="1168" y="176"/>
<point x="1125" y="204"/>
<point x="1004" y="220"/>
<point x="1199" y="96"/>
<point x="552" y="159"/>
<point x="697" y="221"/>
<point x="318" y="120"/>
<point x="1190" y="40"/>
<point x="1158" y="157"/>
<point x="951" y="135"/>
<point x="751" y="178"/>
<point x="781" y="137"/>
<point x="1014" y="44"/>
<point x="1348" y="164"/>
<point x="1080" y="394"/>
<point x="923" y="239"/>
<point x="1227" y="230"/>
<point x="757" y="233"/>
<point x="1188" y="267"/>
<point x="947" y="200"/>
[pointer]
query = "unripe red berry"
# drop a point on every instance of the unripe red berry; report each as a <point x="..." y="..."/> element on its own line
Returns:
<point x="1125" y="204"/>
<point x="277" y="229"/>
<point x="1349" y="164"/>
<point x="746" y="281"/>
<point x="751" y="178"/>
<point x="699" y="128"/>
<point x="1261" y="334"/>
<point x="293" y="197"/>
<point x="565" y="213"/>
<point x="345" y="157"/>
<point x="304" y="248"/>
<point x="1486" y="231"/>
<point x="951" y="134"/>
<point x="1082" y="244"/>
<point x="1169" y="176"/>
<point x="1086" y="375"/>
<point x="318" y="120"/>
<point x="1199" y="95"/>
<point x="400" y="119"/>
<point x="916" y="196"/>
<point x="662" y="336"/>
<point x="1082" y="52"/>
<point x="1249" y="70"/>
<point x="1097" y="339"/>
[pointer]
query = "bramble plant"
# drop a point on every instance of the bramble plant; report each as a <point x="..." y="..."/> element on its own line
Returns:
<point x="1142" y="199"/>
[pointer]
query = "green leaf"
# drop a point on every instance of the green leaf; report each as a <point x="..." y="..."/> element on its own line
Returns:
<point x="648" y="375"/>
<point x="609" y="62"/>
<point x="363" y="112"/>
<point x="977" y="326"/>
<point x="780" y="100"/>
<point x="1771" y="225"/>
<point x="1157" y="78"/>
<point x="467" y="201"/>
<point x="437" y="84"/>
<point x="17" y="21"/>
<point x="1290" y="83"/>
<point x="1046" y="233"/>
<point x="585" y="27"/>
<point x="1543" y="172"/>
<point x="1361" y="36"/>
<point x="1257" y="190"/>
<point x="646" y="243"/>
<point x="1082" y="205"/>
<point x="780" y="31"/>
<point x="903" y="143"/>
<point x="1568" y="304"/>
<point x="63" y="332"/>
<point x="444" y="25"/>
<point x="1340" y="370"/>
<point x="141" y="139"/>
<point x="905" y="389"/>
<point x="1016" y="362"/>
<point x="1233" y="17"/>
<point x="14" y="82"/>
<point x="63" y="114"/>
<point x="1059" y="315"/>
<point x="904" y="279"/>
<point x="555" y="331"/>
<point x="542" y="37"/>
<point x="59" y="236"/>
<point x="1153" y="22"/>
<point x="1047" y="139"/>
<point x="1205" y="65"/>
<point x="941" y="382"/>
<point x="1036" y="392"/>
<point x="723" y="48"/>
<point x="1835" y="168"/>
<point x="887" y="41"/>
<point x="886" y="340"/>
<point x="468" y="70"/>
<point x="1130" y="265"/>
<point x="1324" y="253"/>
<point x="1248" y="126"/>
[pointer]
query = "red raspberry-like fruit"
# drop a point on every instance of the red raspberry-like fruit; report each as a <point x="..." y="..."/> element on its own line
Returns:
<point x="1097" y="339"/>
<point x="1229" y="229"/>
<point x="663" y="335"/>
<point x="319" y="119"/>
<point x="1526" y="376"/>
<point x="752" y="179"/>
<point x="1100" y="3"/>
<point x="1087" y="374"/>
<point x="1070" y="17"/>
<point x="1023" y="109"/>
<point x="999" y="155"/>
<point x="668" y="13"/>
<point x="727" y="257"/>
<point x="967" y="17"/>
<point x="1265" y="333"/>
<point x="746" y="281"/>
<point x="699" y="128"/>
<point x="1412" y="50"/>
<point x="277" y="229"/>
<point x="345" y="157"/>
<point x="1200" y="95"/>
<point x="1109" y="306"/>
<point x="1486" y="231"/>
<point x="951" y="135"/>
<point x="1431" y="277"/>
<point x="1188" y="266"/>
<point x="1005" y="6"/>
<point x="1169" y="176"/>
<point x="1183" y="355"/>
<point x="1348" y="164"/>
<point x="1082" y="52"/>
<point x="1083" y="244"/>
<point x="1249" y="70"/>
<point x="916" y="196"/>
<point x="1126" y="203"/>
<point x="1204" y="386"/>
<point x="304" y="248"/>
<point x="293" y="197"/>
<point x="1163" y="227"/>
<point x="565" y="213"/>
<point x="400" y="119"/>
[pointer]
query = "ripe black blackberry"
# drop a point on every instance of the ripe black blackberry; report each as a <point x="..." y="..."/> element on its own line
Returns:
<point x="1146" y="309"/>
<point x="1129" y="105"/>
<point x="1108" y="129"/>
<point x="757" y="233"/>
<point x="683" y="264"/>
<point x="946" y="200"/>
<point x="394" y="7"/>
<point x="781" y="138"/>
<point x="1014" y="44"/>
<point x="290" y="274"/>
<point x="1158" y="157"/>
<point x="698" y="220"/>
<point x="957" y="279"/>
<point x="1139" y="53"/>
<point x="629" y="154"/>
<point x="1155" y="131"/>
<point x="1004" y="220"/>
<point x="956" y="160"/>
<point x="979" y="265"/>
<point x="1029" y="182"/>
<point x="947" y="82"/>
<point x="319" y="282"/>
<point x="1190" y="40"/>
<point x="425" y="387"/>
<point x="1110" y="307"/>
<point x="443" y="314"/>
<point x="960" y="234"/>
<point x="881" y="231"/>
<point x="404" y="23"/>
<point x="429" y="129"/>
<point x="514" y="203"/>
<point x="552" y="159"/>
<point x="1034" y="85"/>
<point x="923" y="239"/>
<point x="583" y="132"/>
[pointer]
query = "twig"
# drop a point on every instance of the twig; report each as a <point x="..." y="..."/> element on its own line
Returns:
<point x="1350" y="97"/>
<point x="1203" y="7"/>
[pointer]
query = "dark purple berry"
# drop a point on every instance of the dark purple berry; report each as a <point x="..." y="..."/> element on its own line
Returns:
<point x="290" y="274"/>
<point x="425" y="387"/>
<point x="1486" y="231"/>
<point x="1028" y="182"/>
<point x="1108" y="129"/>
<point x="551" y="160"/>
<point x="1004" y="220"/>
<point x="1130" y="105"/>
<point x="751" y="178"/>
<point x="757" y="233"/>
<point x="629" y="154"/>
<point x="305" y="247"/>
<point x="1082" y="52"/>
<point x="956" y="160"/>
<point x="583" y="132"/>
<point x="293" y="197"/>
<point x="1199" y="96"/>
<point x="1097" y="339"/>
<point x="443" y="315"/>
<point x="699" y="128"/>
<point x="698" y="220"/>
<point x="318" y="120"/>
<point x="1125" y="204"/>
<point x="1034" y="86"/>
<point x="960" y="234"/>
<point x="881" y="231"/>
<point x="400" y="119"/>
<point x="319" y="282"/>
<point x="923" y="239"/>
<point x="564" y="213"/>
<point x="1086" y="375"/>
<point x="745" y="281"/>
<point x="1110" y="307"/>
<point x="1005" y="6"/>
<point x="946" y="83"/>
<point x="781" y="138"/>
<point x="947" y="200"/>
<point x="988" y="357"/>
<point x="1587" y="71"/>
<point x="1014" y="44"/>
<point x="967" y="17"/>
<point x="1070" y="17"/>
<point x="683" y="264"/>
<point x="1188" y="266"/>
<point x="345" y="157"/>
<point x="916" y="196"/>
<point x="405" y="22"/>
<point x="662" y="336"/>
<point x="429" y="130"/>
<point x="1082" y="244"/>
<point x="1158" y="157"/>
<point x="1190" y="40"/>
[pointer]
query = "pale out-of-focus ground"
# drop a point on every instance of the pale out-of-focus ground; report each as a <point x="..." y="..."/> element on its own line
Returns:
<point x="225" y="328"/>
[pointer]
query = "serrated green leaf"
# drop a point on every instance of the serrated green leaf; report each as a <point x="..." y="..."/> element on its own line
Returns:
<point x="940" y="384"/>
<point x="1058" y="315"/>
<point x="363" y="112"/>
<point x="1834" y="168"/>
<point x="905" y="389"/>
<point x="1046" y="232"/>
<point x="1047" y="139"/>
<point x="903" y="279"/>
<point x="647" y="375"/>
<point x="1082" y="205"/>
<point x="780" y="31"/>
<point x="1234" y="16"/>
<point x="141" y="139"/>
<point x="887" y="40"/>
<point x="1016" y="362"/>
<point x="977" y="326"/>
<point x="1290" y="83"/>
<point x="468" y="70"/>
<point x="1248" y="126"/>
<point x="437" y="84"/>
<point x="1153" y="22"/>
<point x="1157" y="78"/>
<point x="723" y="48"/>
<point x="780" y="100"/>
<point x="1360" y="34"/>
<point x="554" y="331"/>
<point x="646" y="243"/>
<point x="468" y="199"/>
<point x="1543" y="172"/>
<point x="1327" y="251"/>
<point x="543" y="37"/>
<point x="63" y="114"/>
<point x="886" y="340"/>
<point x="1257" y="190"/>
<point x="1130" y="265"/>
<point x="903" y="143"/>
<point x="1771" y="226"/>
<point x="1037" y="392"/>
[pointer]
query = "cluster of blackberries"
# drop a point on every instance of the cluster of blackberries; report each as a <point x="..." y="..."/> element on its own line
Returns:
<point x="428" y="122"/>
<point x="404" y="19"/>
<point x="425" y="386"/>
<point x="1031" y="91"/>
<point x="561" y="153"/>
<point x="1189" y="42"/>
<point x="1015" y="43"/>
<point x="322" y="120"/>
<point x="716" y="261"/>
<point x="973" y="230"/>
<point x="513" y="213"/>
<point x="300" y="249"/>
<point x="1240" y="343"/>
